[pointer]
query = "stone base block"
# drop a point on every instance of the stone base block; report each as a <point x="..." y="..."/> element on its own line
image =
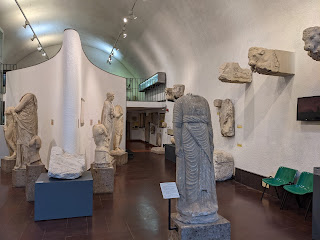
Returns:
<point x="103" y="179"/>
<point x="33" y="172"/>
<point x="158" y="150"/>
<point x="121" y="158"/>
<point x="7" y="165"/>
<point x="219" y="230"/>
<point x="19" y="177"/>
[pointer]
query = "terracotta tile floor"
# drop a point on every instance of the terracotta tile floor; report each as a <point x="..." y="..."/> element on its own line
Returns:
<point x="136" y="209"/>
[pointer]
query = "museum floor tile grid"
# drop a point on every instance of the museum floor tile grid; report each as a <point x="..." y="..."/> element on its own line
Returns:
<point x="136" y="209"/>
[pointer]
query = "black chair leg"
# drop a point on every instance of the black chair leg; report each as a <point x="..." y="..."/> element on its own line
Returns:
<point x="298" y="201"/>
<point x="277" y="193"/>
<point x="308" y="208"/>
<point x="284" y="199"/>
<point x="265" y="187"/>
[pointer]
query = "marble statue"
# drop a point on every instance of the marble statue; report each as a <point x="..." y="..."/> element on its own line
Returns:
<point x="226" y="117"/>
<point x="26" y="117"/>
<point x="169" y="94"/>
<point x="311" y="38"/>
<point x="223" y="165"/>
<point x="178" y="90"/>
<point x="64" y="165"/>
<point x="118" y="128"/>
<point x="34" y="147"/>
<point x="107" y="117"/>
<point x="233" y="73"/>
<point x="164" y="125"/>
<point x="172" y="140"/>
<point x="271" y="62"/>
<point x="159" y="139"/>
<point x="10" y="134"/>
<point x="102" y="156"/>
<point x="195" y="170"/>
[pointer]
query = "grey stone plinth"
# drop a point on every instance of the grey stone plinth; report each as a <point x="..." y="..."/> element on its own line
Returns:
<point x="33" y="172"/>
<point x="7" y="165"/>
<point x="219" y="230"/>
<point x="19" y="177"/>
<point x="121" y="158"/>
<point x="103" y="179"/>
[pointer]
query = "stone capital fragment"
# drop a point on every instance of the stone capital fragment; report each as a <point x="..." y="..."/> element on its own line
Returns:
<point x="311" y="38"/>
<point x="233" y="73"/>
<point x="217" y="103"/>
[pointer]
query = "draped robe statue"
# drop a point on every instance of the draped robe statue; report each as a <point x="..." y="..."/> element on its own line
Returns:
<point x="26" y="118"/>
<point x="118" y="127"/>
<point x="107" y="117"/>
<point x="195" y="170"/>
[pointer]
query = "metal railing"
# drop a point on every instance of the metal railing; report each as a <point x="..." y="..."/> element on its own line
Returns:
<point x="4" y="68"/>
<point x="154" y="93"/>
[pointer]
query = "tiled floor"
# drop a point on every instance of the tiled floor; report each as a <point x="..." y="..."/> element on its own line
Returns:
<point x="136" y="209"/>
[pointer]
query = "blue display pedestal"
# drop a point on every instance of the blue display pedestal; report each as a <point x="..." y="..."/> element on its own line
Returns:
<point x="59" y="198"/>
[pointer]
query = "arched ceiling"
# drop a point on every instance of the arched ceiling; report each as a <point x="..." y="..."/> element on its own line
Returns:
<point x="97" y="21"/>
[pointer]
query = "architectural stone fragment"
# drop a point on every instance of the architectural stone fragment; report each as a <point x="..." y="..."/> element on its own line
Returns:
<point x="169" y="94"/>
<point x="107" y="117"/>
<point x="64" y="165"/>
<point x="223" y="165"/>
<point x="217" y="103"/>
<point x="158" y="150"/>
<point x="178" y="90"/>
<point x="226" y="117"/>
<point x="271" y="62"/>
<point x="10" y="134"/>
<point x="164" y="125"/>
<point x="233" y="73"/>
<point x="311" y="38"/>
<point x="194" y="155"/>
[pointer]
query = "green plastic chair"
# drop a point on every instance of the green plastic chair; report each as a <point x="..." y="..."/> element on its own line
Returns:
<point x="303" y="186"/>
<point x="283" y="176"/>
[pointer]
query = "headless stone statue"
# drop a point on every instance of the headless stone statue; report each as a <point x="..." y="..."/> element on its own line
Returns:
<point x="118" y="128"/>
<point x="107" y="117"/>
<point x="26" y="117"/>
<point x="102" y="156"/>
<point x="10" y="134"/>
<point x="194" y="150"/>
<point x="34" y="147"/>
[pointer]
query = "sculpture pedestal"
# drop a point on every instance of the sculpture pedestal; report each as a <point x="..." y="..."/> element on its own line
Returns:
<point x="219" y="230"/>
<point x="19" y="177"/>
<point x="7" y="165"/>
<point x="158" y="150"/>
<point x="33" y="172"/>
<point x="121" y="158"/>
<point x="103" y="179"/>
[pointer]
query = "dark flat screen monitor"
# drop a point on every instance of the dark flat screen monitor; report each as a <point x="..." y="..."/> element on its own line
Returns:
<point x="308" y="109"/>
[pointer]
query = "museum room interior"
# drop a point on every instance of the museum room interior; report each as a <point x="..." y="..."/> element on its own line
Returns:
<point x="159" y="119"/>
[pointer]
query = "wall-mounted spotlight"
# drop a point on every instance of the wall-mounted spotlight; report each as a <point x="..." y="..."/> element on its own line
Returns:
<point x="34" y="37"/>
<point x="39" y="48"/>
<point x="26" y="23"/>
<point x="44" y="54"/>
<point x="124" y="35"/>
<point x="125" y="20"/>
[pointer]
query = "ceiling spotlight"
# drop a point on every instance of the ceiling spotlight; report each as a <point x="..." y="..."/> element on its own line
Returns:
<point x="131" y="15"/>
<point x="117" y="49"/>
<point x="34" y="37"/>
<point x="44" y="54"/>
<point x="39" y="48"/>
<point x="26" y="23"/>
<point x="124" y="35"/>
<point x="112" y="53"/>
<point x="125" y="20"/>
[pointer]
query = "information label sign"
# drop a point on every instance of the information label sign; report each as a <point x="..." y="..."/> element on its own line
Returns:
<point x="169" y="190"/>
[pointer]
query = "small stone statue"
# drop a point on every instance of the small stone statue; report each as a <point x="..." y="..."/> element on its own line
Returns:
<point x="311" y="38"/>
<point x="10" y="134"/>
<point x="178" y="90"/>
<point x="172" y="140"/>
<point x="118" y="128"/>
<point x="107" y="117"/>
<point x="102" y="156"/>
<point x="194" y="150"/>
<point x="169" y="94"/>
<point x="26" y="117"/>
<point x="226" y="116"/>
<point x="34" y="147"/>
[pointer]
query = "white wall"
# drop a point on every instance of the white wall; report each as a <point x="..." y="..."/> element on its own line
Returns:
<point x="190" y="45"/>
<point x="4" y="151"/>
<point x="49" y="82"/>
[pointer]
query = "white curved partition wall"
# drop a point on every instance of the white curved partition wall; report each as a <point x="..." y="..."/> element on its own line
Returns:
<point x="59" y="85"/>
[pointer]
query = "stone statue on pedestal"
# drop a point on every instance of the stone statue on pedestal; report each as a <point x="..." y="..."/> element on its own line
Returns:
<point x="194" y="150"/>
<point x="10" y="134"/>
<point x="102" y="156"/>
<point x="26" y="117"/>
<point x="34" y="147"/>
<point x="107" y="117"/>
<point x="118" y="128"/>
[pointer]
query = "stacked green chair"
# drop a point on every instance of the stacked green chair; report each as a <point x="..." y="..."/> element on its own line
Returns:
<point x="304" y="186"/>
<point x="283" y="176"/>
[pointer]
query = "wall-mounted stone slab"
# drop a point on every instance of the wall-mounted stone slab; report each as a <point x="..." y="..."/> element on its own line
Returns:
<point x="226" y="116"/>
<point x="271" y="62"/>
<point x="233" y="73"/>
<point x="311" y="38"/>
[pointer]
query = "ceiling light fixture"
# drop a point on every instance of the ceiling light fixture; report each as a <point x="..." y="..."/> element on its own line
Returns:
<point x="122" y="32"/>
<point x="27" y="23"/>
